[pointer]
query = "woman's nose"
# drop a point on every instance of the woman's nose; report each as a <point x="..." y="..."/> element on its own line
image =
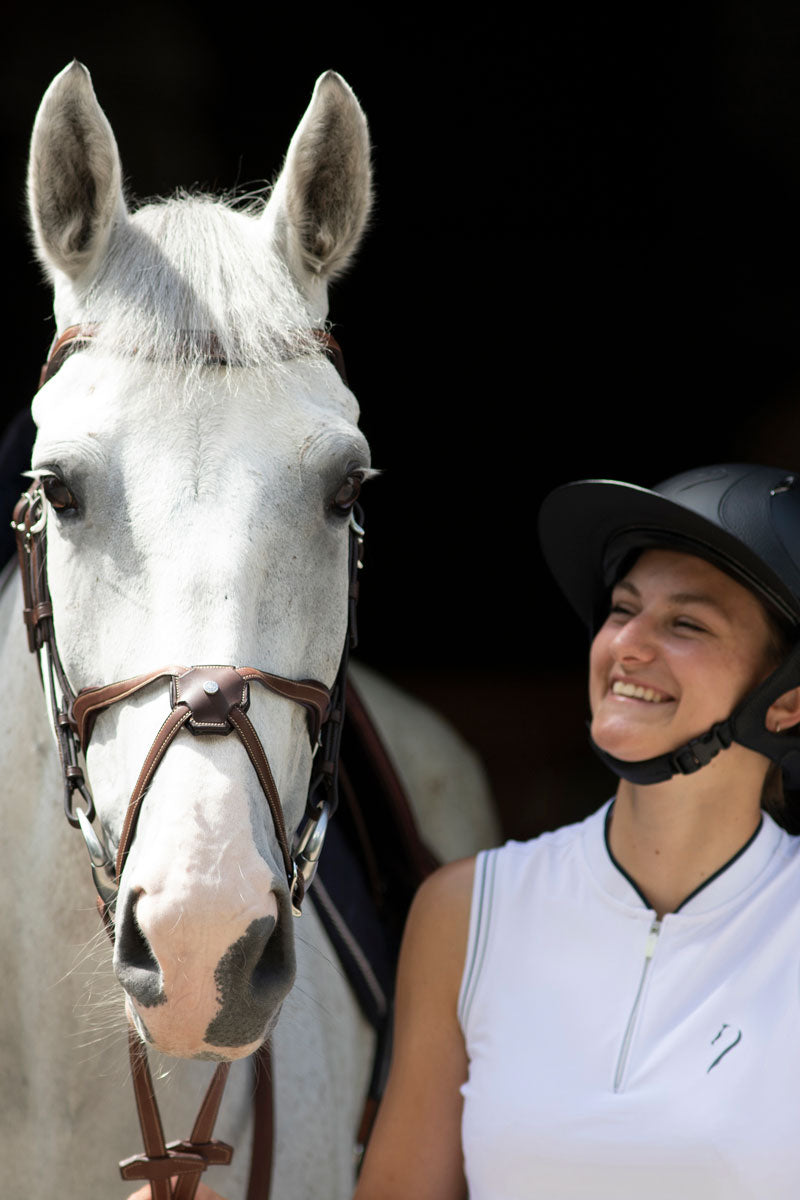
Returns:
<point x="635" y="639"/>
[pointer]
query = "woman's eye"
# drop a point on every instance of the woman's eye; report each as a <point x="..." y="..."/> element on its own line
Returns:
<point x="348" y="492"/>
<point x="58" y="494"/>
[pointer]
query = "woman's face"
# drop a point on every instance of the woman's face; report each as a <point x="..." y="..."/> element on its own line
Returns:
<point x="681" y="646"/>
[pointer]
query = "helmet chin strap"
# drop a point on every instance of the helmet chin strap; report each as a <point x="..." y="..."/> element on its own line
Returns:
<point x="684" y="761"/>
<point x="746" y="725"/>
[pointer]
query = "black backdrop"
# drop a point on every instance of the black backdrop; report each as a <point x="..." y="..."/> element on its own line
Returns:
<point x="584" y="261"/>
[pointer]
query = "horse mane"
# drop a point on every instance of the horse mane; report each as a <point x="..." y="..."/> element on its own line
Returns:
<point x="197" y="278"/>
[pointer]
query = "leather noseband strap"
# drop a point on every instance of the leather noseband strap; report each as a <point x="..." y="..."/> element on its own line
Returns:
<point x="207" y="699"/>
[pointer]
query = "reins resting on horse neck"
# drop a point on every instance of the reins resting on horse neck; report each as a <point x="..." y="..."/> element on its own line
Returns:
<point x="205" y="699"/>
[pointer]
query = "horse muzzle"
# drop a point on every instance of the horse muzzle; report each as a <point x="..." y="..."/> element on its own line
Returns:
<point x="205" y="965"/>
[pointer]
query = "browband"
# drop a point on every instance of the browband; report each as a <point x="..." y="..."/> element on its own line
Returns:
<point x="77" y="337"/>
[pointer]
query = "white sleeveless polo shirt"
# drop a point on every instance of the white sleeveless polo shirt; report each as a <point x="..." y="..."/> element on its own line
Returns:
<point x="613" y="1057"/>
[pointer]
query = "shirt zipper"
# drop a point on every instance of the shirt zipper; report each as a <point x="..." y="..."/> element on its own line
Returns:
<point x="649" y="951"/>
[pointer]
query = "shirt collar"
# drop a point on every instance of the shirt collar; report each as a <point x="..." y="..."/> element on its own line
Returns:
<point x="726" y="884"/>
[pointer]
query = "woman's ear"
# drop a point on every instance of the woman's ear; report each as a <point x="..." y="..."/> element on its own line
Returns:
<point x="784" y="712"/>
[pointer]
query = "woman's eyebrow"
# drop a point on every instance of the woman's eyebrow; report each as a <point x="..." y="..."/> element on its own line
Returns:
<point x="677" y="597"/>
<point x="697" y="598"/>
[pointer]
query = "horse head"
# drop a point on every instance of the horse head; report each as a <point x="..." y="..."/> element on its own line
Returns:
<point x="200" y="458"/>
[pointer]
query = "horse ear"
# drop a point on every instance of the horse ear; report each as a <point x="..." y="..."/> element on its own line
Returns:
<point x="74" y="176"/>
<point x="321" y="201"/>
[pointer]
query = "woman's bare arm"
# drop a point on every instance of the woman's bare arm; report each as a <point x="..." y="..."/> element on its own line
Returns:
<point x="415" y="1148"/>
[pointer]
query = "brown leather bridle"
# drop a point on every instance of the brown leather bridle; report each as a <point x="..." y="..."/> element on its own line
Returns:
<point x="205" y="699"/>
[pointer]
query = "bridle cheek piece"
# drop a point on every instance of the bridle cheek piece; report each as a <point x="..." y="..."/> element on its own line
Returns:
<point x="205" y="700"/>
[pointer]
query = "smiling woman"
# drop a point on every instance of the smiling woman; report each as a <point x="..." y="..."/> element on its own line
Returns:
<point x="612" y="1010"/>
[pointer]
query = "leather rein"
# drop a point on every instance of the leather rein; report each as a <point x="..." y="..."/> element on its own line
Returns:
<point x="206" y="700"/>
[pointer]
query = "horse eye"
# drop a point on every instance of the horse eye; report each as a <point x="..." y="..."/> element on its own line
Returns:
<point x="348" y="492"/>
<point x="58" y="494"/>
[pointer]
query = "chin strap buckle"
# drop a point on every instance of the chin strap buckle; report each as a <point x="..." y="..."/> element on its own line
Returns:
<point x="700" y="751"/>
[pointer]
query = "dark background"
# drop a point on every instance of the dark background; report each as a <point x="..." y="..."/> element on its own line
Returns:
<point x="584" y="261"/>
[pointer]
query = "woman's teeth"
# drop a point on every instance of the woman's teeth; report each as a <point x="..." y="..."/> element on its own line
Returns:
<point x="639" y="693"/>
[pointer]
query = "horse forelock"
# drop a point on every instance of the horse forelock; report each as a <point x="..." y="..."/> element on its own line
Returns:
<point x="197" y="279"/>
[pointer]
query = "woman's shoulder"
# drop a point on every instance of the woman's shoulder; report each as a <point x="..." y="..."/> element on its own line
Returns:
<point x="443" y="900"/>
<point x="437" y="927"/>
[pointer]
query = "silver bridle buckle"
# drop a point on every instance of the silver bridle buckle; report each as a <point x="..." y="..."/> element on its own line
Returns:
<point x="308" y="850"/>
<point x="102" y="862"/>
<point x="34" y="498"/>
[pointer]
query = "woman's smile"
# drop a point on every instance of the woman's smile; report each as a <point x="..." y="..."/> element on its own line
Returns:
<point x="632" y="689"/>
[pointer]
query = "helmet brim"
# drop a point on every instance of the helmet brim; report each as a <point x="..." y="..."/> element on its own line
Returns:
<point x="589" y="528"/>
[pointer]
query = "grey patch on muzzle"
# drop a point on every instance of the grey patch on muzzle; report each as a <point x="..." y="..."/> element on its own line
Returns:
<point x="252" y="978"/>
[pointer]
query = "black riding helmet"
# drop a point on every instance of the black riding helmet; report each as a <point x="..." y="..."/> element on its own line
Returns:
<point x="742" y="518"/>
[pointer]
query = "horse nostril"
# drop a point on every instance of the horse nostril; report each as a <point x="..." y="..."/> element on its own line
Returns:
<point x="135" y="964"/>
<point x="274" y="963"/>
<point x="252" y="978"/>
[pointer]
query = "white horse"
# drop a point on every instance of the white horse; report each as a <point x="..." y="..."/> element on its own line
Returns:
<point x="197" y="514"/>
